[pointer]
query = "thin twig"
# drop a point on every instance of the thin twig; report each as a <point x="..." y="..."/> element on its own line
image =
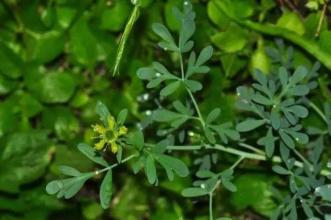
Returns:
<point x="320" y="22"/>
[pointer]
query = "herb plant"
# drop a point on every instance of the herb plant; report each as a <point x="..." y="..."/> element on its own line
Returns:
<point x="271" y="132"/>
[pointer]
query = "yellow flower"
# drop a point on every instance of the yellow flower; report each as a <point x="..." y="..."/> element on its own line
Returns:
<point x="109" y="135"/>
<point x="99" y="129"/>
<point x="100" y="144"/>
<point x="111" y="122"/>
<point x="114" y="147"/>
<point x="123" y="130"/>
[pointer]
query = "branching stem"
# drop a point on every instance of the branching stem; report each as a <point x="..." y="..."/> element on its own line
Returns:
<point x="116" y="164"/>
<point x="245" y="155"/>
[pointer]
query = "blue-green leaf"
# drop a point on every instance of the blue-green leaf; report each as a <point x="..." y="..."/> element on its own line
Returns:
<point x="106" y="190"/>
<point x="249" y="124"/>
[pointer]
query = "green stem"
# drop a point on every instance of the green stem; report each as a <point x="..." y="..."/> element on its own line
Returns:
<point x="237" y="163"/>
<point x="318" y="111"/>
<point x="246" y="155"/>
<point x="189" y="91"/>
<point x="256" y="150"/>
<point x="308" y="45"/>
<point x="182" y="73"/>
<point x="211" y="206"/>
<point x="196" y="107"/>
<point x="116" y="164"/>
<point x="302" y="158"/>
<point x="134" y="16"/>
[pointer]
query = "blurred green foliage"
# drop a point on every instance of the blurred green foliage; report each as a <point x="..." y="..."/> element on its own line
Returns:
<point x="56" y="58"/>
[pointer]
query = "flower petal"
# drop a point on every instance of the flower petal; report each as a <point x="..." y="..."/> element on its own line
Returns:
<point x="114" y="147"/>
<point x="100" y="145"/>
<point x="99" y="129"/>
<point x="111" y="123"/>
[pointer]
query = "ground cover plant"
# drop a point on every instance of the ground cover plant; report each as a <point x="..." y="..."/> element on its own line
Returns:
<point x="165" y="110"/>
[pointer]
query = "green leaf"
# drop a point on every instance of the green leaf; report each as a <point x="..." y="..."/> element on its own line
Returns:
<point x="219" y="19"/>
<point x="63" y="122"/>
<point x="280" y="170"/>
<point x="11" y="63"/>
<point x="103" y="112"/>
<point x="298" y="110"/>
<point x="146" y="73"/>
<point x="24" y="158"/>
<point x="53" y="187"/>
<point x="83" y="44"/>
<point x="6" y="85"/>
<point x="287" y="139"/>
<point x="137" y="139"/>
<point x="163" y="32"/>
<point x="122" y="116"/>
<point x="150" y="170"/>
<point x="269" y="142"/>
<point x="92" y="154"/>
<point x="213" y="115"/>
<point x="256" y="187"/>
<point x="173" y="164"/>
<point x="160" y="68"/>
<point x="224" y="130"/>
<point x="114" y="18"/>
<point x="69" y="171"/>
<point x="292" y="22"/>
<point x="275" y="118"/>
<point x="324" y="192"/>
<point x="283" y="76"/>
<point x="178" y="105"/>
<point x="299" y="74"/>
<point x="204" y="55"/>
<point x="261" y="99"/>
<point x="106" y="190"/>
<point x="57" y="87"/>
<point x="249" y="124"/>
<point x="299" y="90"/>
<point x="209" y="135"/>
<point x="169" y="89"/>
<point x="67" y="188"/>
<point x="193" y="85"/>
<point x="232" y="40"/>
<point x="163" y="115"/>
<point x="194" y="192"/>
<point x="46" y="47"/>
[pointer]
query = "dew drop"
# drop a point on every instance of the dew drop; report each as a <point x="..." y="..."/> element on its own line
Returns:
<point x="97" y="172"/>
<point x="191" y="133"/>
<point x="158" y="74"/>
<point x="203" y="186"/>
<point x="145" y="96"/>
<point x="148" y="112"/>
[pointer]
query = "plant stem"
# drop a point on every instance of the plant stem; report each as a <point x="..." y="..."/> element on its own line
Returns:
<point x="211" y="206"/>
<point x="237" y="163"/>
<point x="124" y="38"/>
<point x="196" y="107"/>
<point x="246" y="155"/>
<point x="116" y="164"/>
<point x="256" y="150"/>
<point x="302" y="158"/>
<point x="182" y="73"/>
<point x="318" y="111"/>
<point x="320" y="22"/>
<point x="310" y="46"/>
<point x="189" y="91"/>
